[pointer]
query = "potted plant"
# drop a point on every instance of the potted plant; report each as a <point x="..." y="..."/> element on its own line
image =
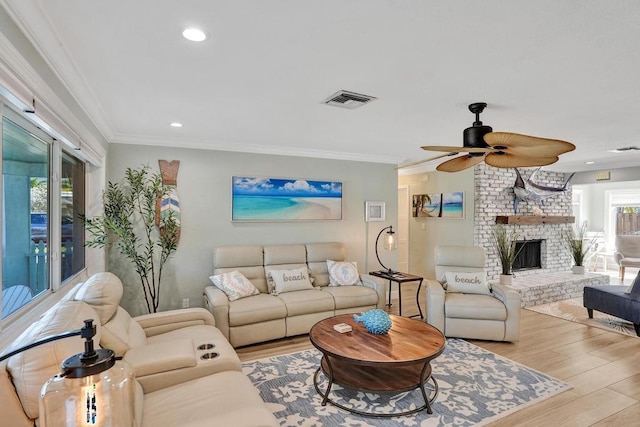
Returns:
<point x="579" y="246"/>
<point x="132" y="222"/>
<point x="505" y="243"/>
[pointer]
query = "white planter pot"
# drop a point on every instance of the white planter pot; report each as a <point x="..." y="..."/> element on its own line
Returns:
<point x="578" y="269"/>
<point x="506" y="279"/>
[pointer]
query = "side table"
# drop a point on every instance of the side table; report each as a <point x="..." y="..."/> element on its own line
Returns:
<point x="400" y="278"/>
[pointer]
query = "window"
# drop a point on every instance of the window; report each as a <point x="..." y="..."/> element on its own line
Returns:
<point x="72" y="205"/>
<point x="621" y="210"/>
<point x="39" y="213"/>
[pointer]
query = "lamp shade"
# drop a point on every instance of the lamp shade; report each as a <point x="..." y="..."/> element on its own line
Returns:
<point x="103" y="399"/>
<point x="390" y="241"/>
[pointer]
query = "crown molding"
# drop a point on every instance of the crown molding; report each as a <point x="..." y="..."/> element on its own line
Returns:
<point x="252" y="148"/>
<point x="42" y="35"/>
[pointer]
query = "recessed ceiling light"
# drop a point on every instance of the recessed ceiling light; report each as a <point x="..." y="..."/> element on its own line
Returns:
<point x="194" y="34"/>
<point x="175" y="125"/>
<point x="589" y="163"/>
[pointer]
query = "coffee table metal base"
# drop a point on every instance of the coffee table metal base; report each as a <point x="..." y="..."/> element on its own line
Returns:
<point x="425" y="376"/>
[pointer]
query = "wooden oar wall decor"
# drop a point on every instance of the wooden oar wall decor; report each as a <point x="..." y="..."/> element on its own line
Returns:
<point x="169" y="202"/>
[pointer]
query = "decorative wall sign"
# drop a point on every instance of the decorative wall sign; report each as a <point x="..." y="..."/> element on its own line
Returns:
<point x="374" y="211"/>
<point x="279" y="199"/>
<point x="439" y="205"/>
<point x="169" y="202"/>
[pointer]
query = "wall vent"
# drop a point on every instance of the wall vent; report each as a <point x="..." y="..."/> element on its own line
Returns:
<point x="346" y="99"/>
<point x="623" y="149"/>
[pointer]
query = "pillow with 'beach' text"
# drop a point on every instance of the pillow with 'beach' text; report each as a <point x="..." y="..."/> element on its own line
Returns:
<point x="296" y="279"/>
<point x="468" y="283"/>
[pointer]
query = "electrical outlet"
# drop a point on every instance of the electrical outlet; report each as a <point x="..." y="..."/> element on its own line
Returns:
<point x="185" y="303"/>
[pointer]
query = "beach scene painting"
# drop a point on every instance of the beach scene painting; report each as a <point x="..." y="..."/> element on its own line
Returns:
<point x="439" y="205"/>
<point x="278" y="199"/>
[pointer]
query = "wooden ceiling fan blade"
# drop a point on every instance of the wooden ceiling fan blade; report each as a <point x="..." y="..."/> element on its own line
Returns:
<point x="425" y="160"/>
<point x="459" y="163"/>
<point x="508" y="160"/>
<point x="456" y="149"/>
<point x="528" y="145"/>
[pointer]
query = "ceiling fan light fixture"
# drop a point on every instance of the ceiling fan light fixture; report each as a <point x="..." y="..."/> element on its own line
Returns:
<point x="499" y="149"/>
<point x="474" y="136"/>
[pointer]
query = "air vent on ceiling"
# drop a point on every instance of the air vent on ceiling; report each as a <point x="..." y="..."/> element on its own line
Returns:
<point x="347" y="99"/>
<point x="623" y="149"/>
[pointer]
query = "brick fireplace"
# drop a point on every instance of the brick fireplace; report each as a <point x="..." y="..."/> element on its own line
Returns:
<point x="494" y="197"/>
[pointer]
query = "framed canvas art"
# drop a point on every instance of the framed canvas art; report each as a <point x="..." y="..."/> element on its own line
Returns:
<point x="438" y="205"/>
<point x="281" y="199"/>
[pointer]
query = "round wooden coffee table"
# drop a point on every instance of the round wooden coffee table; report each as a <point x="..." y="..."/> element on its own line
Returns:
<point x="393" y="362"/>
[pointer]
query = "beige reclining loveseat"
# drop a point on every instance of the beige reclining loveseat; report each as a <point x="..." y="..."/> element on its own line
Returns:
<point x="198" y="396"/>
<point x="265" y="316"/>
<point x="164" y="348"/>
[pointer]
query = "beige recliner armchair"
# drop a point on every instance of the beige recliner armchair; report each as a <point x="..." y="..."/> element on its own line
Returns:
<point x="495" y="316"/>
<point x="627" y="252"/>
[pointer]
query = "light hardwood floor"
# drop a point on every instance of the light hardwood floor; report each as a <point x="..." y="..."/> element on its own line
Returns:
<point x="602" y="366"/>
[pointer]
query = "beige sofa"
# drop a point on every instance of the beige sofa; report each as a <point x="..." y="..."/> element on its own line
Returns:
<point x="494" y="316"/>
<point x="175" y="386"/>
<point x="265" y="316"/>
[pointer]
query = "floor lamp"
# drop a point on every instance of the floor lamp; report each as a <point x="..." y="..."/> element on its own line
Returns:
<point x="390" y="243"/>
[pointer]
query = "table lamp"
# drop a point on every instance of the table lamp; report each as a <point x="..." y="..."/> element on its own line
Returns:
<point x="93" y="388"/>
<point x="390" y="243"/>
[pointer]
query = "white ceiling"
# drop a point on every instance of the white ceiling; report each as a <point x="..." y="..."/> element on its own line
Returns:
<point x="558" y="69"/>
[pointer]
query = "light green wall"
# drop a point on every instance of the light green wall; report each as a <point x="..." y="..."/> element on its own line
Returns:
<point x="427" y="233"/>
<point x="204" y="189"/>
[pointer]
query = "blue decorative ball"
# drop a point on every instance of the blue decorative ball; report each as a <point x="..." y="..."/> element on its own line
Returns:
<point x="376" y="321"/>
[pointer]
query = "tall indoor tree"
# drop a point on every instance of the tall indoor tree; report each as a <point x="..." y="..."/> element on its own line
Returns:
<point x="132" y="222"/>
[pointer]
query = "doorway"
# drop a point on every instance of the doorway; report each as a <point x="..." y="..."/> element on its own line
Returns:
<point x="403" y="228"/>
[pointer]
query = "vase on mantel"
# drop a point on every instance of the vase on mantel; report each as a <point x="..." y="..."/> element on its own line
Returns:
<point x="506" y="279"/>
<point x="578" y="269"/>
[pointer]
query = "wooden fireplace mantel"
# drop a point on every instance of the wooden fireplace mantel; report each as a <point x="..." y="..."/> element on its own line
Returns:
<point x="534" y="219"/>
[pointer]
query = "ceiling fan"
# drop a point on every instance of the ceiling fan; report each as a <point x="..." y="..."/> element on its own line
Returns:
<point x="497" y="149"/>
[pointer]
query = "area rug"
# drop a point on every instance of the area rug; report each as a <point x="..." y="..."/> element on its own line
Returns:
<point x="572" y="309"/>
<point x="476" y="387"/>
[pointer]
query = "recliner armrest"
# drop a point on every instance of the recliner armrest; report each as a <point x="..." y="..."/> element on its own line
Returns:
<point x="512" y="302"/>
<point x="161" y="357"/>
<point x="435" y="304"/>
<point x="165" y="321"/>
<point x="218" y="304"/>
<point x="505" y="294"/>
<point x="378" y="285"/>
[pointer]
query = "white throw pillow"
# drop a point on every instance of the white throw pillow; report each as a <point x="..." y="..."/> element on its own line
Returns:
<point x="296" y="279"/>
<point x="234" y="285"/>
<point x="343" y="273"/>
<point x="468" y="283"/>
